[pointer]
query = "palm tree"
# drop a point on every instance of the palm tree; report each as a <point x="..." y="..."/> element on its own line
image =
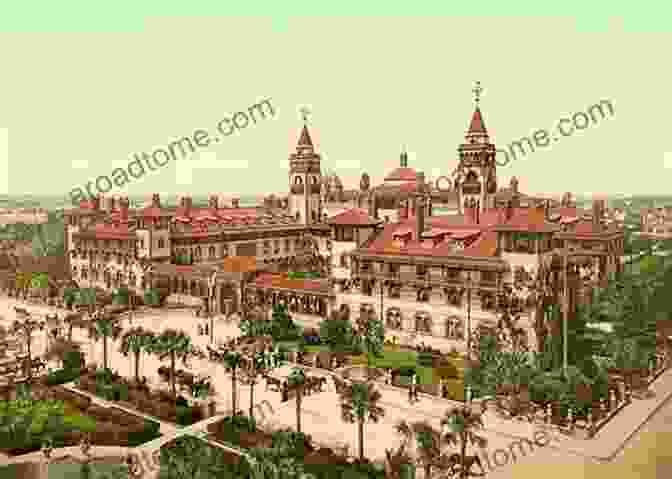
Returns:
<point x="359" y="401"/>
<point x="173" y="344"/>
<point x="259" y="363"/>
<point x="232" y="361"/>
<point x="104" y="327"/>
<point x="136" y="341"/>
<point x="296" y="381"/>
<point x="427" y="443"/>
<point x="462" y="423"/>
<point x="25" y="327"/>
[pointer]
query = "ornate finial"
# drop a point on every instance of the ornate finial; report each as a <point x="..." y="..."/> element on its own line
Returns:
<point x="477" y="92"/>
<point x="305" y="112"/>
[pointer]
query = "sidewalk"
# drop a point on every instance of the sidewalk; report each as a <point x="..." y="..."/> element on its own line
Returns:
<point x="609" y="440"/>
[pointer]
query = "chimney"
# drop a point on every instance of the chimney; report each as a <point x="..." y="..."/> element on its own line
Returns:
<point x="373" y="206"/>
<point x="213" y="202"/>
<point x="96" y="202"/>
<point x="403" y="210"/>
<point x="156" y="200"/>
<point x="124" y="204"/>
<point x="598" y="212"/>
<point x="108" y="203"/>
<point x="235" y="202"/>
<point x="420" y="218"/>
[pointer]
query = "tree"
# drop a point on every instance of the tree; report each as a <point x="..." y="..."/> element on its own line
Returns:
<point x="427" y="442"/>
<point x="104" y="327"/>
<point x="86" y="297"/>
<point x="175" y="345"/>
<point x="136" y="341"/>
<point x="462" y="424"/>
<point x="359" y="401"/>
<point x="260" y="362"/>
<point x="283" y="327"/>
<point x="62" y="349"/>
<point x="26" y="327"/>
<point x="232" y="361"/>
<point x="296" y="381"/>
<point x="373" y="339"/>
<point x="337" y="334"/>
<point x="121" y="296"/>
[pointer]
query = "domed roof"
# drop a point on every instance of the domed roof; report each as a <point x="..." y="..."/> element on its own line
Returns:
<point x="402" y="174"/>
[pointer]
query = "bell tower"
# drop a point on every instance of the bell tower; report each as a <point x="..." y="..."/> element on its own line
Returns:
<point x="476" y="173"/>
<point x="305" y="178"/>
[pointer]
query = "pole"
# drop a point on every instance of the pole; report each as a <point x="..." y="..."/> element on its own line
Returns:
<point x="565" y="313"/>
<point x="468" y="389"/>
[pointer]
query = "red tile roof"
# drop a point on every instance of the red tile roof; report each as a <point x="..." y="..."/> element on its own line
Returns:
<point x="353" y="217"/>
<point x="477" y="124"/>
<point x="115" y="231"/>
<point x="530" y="219"/>
<point x="485" y="246"/>
<point x="277" y="280"/>
<point x="402" y="174"/>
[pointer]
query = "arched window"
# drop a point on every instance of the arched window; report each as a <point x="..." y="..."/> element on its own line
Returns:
<point x="298" y="180"/>
<point x="211" y="251"/>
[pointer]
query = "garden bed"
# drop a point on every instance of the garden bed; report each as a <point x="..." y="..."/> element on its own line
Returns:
<point x="105" y="426"/>
<point x="158" y="404"/>
<point x="320" y="462"/>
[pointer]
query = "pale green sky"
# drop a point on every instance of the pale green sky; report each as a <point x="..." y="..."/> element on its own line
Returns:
<point x="74" y="106"/>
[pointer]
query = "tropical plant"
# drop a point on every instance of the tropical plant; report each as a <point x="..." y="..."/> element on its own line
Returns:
<point x="296" y="381"/>
<point x="427" y="442"/>
<point x="102" y="328"/>
<point x="283" y="328"/>
<point x="259" y="363"/>
<point x="26" y="327"/>
<point x="232" y="361"/>
<point x="63" y="349"/>
<point x="136" y="341"/>
<point x="337" y="334"/>
<point x="359" y="402"/>
<point x="173" y="344"/>
<point x="462" y="425"/>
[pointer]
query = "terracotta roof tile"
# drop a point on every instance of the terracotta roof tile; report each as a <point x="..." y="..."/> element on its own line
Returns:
<point x="477" y="124"/>
<point x="353" y="216"/>
<point x="402" y="174"/>
<point x="276" y="280"/>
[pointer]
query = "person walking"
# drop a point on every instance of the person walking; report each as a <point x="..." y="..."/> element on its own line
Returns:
<point x="414" y="387"/>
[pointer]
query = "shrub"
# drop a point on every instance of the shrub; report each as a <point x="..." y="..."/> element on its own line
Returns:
<point x="72" y="359"/>
<point x="62" y="376"/>
<point x="150" y="431"/>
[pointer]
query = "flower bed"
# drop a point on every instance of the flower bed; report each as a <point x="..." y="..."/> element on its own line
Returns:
<point x="286" y="446"/>
<point x="105" y="426"/>
<point x="159" y="404"/>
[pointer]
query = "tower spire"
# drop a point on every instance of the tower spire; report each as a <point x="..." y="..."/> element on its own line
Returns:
<point x="305" y="142"/>
<point x="477" y="93"/>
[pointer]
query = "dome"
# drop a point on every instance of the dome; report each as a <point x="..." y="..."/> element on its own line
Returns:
<point x="402" y="174"/>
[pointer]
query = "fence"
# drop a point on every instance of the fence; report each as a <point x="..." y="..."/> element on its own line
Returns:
<point x="620" y="394"/>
